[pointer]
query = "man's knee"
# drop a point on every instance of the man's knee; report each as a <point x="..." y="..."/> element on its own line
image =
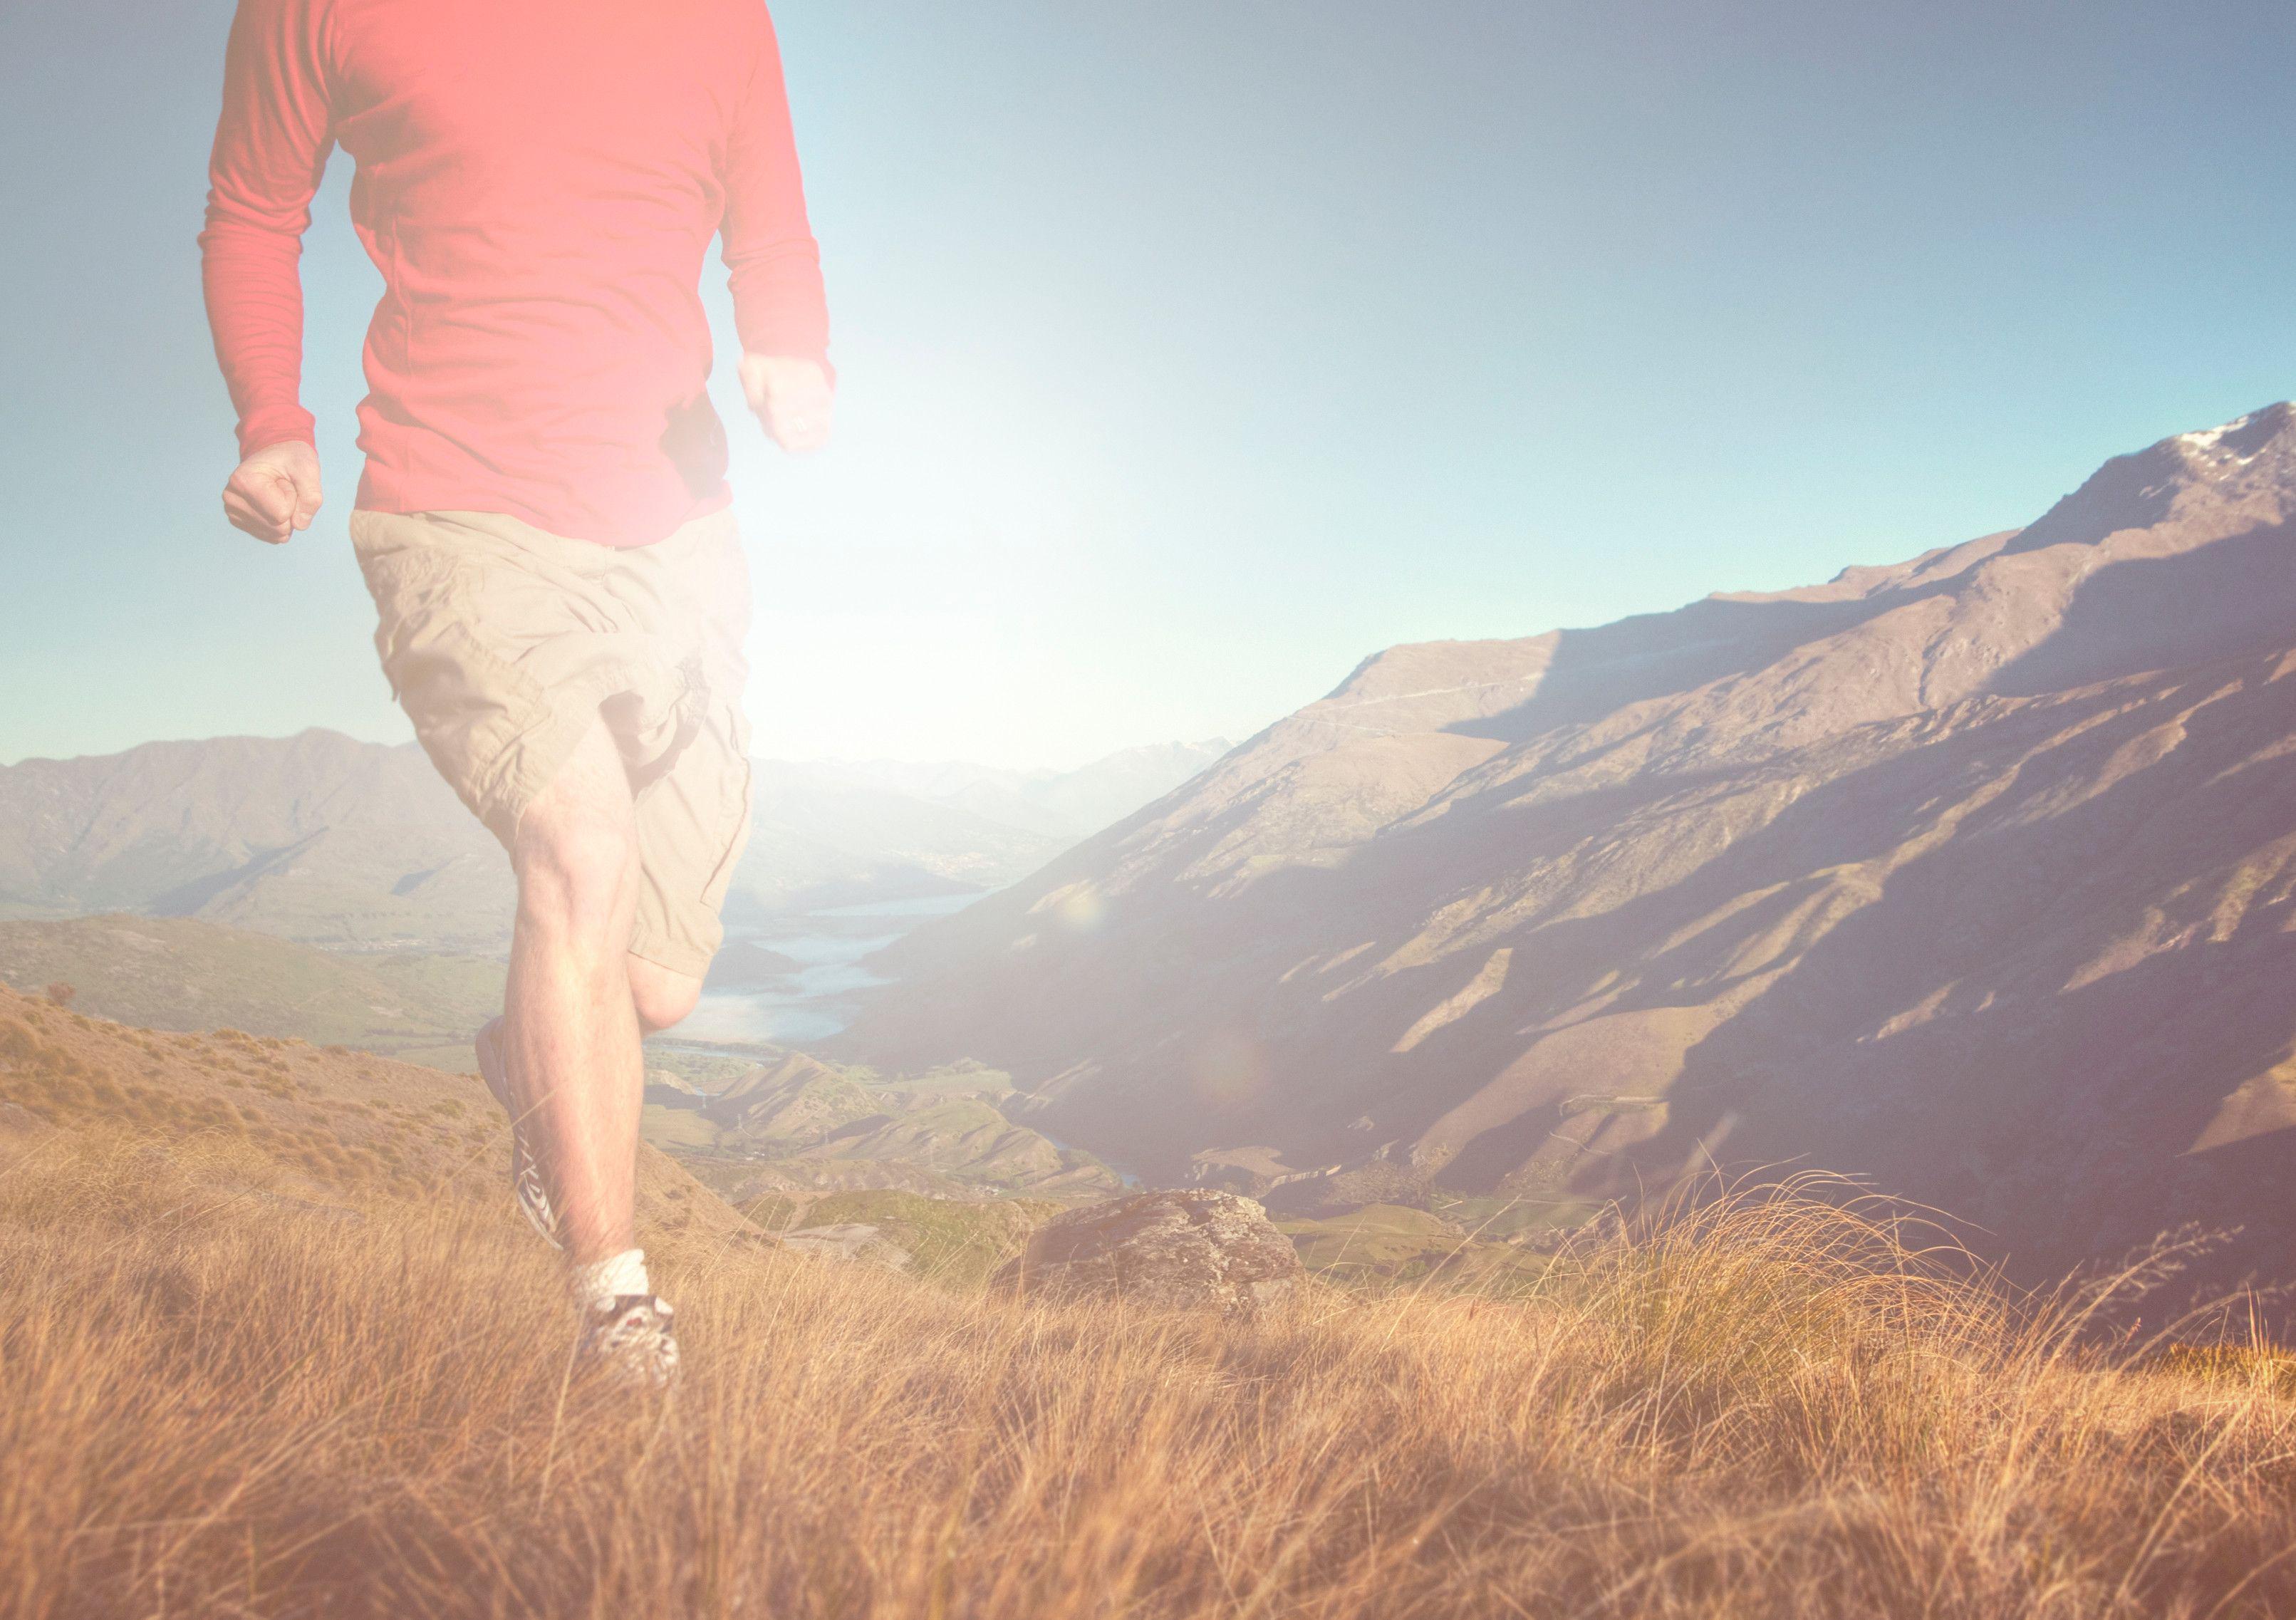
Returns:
<point x="662" y="998"/>
<point x="577" y="871"/>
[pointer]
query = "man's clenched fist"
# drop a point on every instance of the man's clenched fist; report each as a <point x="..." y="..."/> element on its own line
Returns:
<point x="275" y="492"/>
<point x="792" y="399"/>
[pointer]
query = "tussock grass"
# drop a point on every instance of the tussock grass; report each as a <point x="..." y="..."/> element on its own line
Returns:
<point x="216" y="1403"/>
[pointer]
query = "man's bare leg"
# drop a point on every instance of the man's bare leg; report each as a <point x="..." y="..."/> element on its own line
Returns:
<point x="663" y="998"/>
<point x="570" y="1029"/>
<point x="577" y="1004"/>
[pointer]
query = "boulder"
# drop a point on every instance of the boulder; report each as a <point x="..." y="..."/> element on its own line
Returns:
<point x="1192" y="1250"/>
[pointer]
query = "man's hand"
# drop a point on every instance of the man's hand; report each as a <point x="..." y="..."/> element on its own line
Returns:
<point x="792" y="399"/>
<point x="275" y="492"/>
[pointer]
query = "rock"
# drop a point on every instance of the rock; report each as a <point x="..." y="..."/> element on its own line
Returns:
<point x="1191" y="1250"/>
<point x="849" y="1241"/>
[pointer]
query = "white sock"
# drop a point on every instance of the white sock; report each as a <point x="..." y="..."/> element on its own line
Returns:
<point x="603" y="1282"/>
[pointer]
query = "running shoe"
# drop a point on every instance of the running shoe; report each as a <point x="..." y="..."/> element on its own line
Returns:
<point x="629" y="1340"/>
<point x="528" y="1184"/>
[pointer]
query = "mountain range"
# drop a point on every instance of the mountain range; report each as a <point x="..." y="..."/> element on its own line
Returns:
<point x="1973" y="875"/>
<point x="346" y="844"/>
<point x="177" y="973"/>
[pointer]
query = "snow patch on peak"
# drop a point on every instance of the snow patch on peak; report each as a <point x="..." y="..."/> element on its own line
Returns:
<point x="2209" y="439"/>
<point x="2241" y="440"/>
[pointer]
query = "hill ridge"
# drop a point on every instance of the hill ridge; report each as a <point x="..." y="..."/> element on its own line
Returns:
<point x="1780" y="862"/>
<point x="328" y="839"/>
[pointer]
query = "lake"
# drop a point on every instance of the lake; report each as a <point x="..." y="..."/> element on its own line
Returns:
<point x="817" y="1001"/>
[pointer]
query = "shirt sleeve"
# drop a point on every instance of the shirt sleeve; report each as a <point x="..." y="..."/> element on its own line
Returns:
<point x="271" y="147"/>
<point x="771" y="261"/>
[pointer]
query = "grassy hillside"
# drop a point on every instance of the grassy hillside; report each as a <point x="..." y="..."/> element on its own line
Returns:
<point x="788" y="1123"/>
<point x="954" y="1242"/>
<point x="271" y="1117"/>
<point x="1391" y="1244"/>
<point x="792" y="1124"/>
<point x="276" y="1347"/>
<point x="181" y="974"/>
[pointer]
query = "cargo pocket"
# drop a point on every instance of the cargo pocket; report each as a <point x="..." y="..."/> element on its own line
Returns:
<point x="733" y="838"/>
<point x="654" y="738"/>
<point x="723" y="587"/>
<point x="470" y="706"/>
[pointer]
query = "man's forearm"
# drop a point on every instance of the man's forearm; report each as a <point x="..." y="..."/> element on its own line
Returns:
<point x="271" y="146"/>
<point x="252" y="279"/>
<point x="773" y="265"/>
<point x="779" y="308"/>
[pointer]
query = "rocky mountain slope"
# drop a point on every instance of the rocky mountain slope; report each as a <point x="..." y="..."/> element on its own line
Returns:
<point x="1971" y="874"/>
<point x="347" y="844"/>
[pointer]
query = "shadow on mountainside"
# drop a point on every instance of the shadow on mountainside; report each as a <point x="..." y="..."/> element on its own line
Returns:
<point x="2058" y="1116"/>
<point x="188" y="899"/>
<point x="1596" y="673"/>
<point x="2057" y="1102"/>
<point x="1988" y="901"/>
<point x="2232" y="598"/>
<point x="2227" y="596"/>
<point x="2139" y="490"/>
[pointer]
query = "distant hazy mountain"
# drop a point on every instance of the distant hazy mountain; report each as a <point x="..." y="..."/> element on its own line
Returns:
<point x="178" y="973"/>
<point x="1976" y="874"/>
<point x="314" y="836"/>
<point x="827" y="833"/>
<point x="1061" y="804"/>
<point x="336" y="842"/>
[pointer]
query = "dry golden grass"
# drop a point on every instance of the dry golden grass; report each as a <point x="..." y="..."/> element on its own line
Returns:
<point x="219" y="1402"/>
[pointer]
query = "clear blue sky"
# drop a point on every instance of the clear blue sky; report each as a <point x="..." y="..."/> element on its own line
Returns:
<point x="1193" y="350"/>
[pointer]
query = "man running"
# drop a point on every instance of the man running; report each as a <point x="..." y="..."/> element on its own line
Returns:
<point x="543" y="522"/>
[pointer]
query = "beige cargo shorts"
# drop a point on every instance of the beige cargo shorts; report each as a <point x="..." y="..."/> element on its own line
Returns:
<point x="504" y="644"/>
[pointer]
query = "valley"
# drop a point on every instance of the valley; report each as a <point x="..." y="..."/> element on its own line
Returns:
<point x="1970" y="876"/>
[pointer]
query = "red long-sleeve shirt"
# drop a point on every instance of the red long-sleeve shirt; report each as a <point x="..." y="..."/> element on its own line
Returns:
<point x="537" y="181"/>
